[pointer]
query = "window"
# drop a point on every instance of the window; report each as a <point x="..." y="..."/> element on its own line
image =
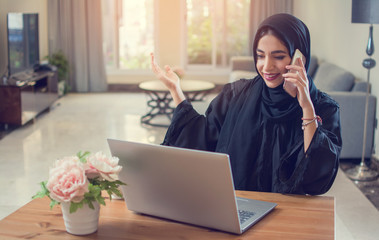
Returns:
<point x="216" y="30"/>
<point x="128" y="33"/>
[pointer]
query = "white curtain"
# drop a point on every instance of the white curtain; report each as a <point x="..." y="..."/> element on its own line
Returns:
<point x="261" y="9"/>
<point x="75" y="27"/>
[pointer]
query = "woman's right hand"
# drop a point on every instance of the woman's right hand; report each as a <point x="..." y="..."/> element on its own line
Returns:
<point x="170" y="80"/>
<point x="168" y="77"/>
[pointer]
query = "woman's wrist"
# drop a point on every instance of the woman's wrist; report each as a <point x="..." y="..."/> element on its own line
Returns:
<point x="309" y="112"/>
<point x="177" y="96"/>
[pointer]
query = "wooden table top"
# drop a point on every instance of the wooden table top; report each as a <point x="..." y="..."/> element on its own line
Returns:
<point x="295" y="217"/>
<point x="186" y="85"/>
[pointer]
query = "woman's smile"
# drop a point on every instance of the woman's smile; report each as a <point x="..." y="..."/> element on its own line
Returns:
<point x="271" y="76"/>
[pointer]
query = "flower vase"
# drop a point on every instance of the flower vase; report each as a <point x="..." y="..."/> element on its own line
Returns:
<point x="82" y="222"/>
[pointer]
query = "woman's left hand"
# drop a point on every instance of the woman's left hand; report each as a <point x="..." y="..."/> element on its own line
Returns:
<point x="298" y="76"/>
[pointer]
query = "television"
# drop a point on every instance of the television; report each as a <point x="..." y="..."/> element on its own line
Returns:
<point x="23" y="42"/>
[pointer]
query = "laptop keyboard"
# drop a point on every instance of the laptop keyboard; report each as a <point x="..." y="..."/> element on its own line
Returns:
<point x="245" y="215"/>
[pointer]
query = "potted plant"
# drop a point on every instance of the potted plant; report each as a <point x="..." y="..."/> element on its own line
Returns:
<point x="59" y="60"/>
<point x="77" y="183"/>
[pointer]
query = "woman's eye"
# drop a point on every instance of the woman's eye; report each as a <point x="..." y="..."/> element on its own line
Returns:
<point x="280" y="57"/>
<point x="260" y="56"/>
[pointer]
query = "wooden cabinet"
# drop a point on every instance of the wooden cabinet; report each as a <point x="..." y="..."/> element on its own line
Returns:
<point x="21" y="101"/>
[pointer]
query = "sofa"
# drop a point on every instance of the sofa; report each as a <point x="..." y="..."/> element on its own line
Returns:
<point x="242" y="67"/>
<point x="343" y="87"/>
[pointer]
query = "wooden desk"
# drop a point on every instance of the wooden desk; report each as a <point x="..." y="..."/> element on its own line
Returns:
<point x="160" y="102"/>
<point x="295" y="217"/>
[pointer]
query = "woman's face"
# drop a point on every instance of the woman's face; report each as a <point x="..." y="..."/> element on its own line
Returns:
<point x="272" y="59"/>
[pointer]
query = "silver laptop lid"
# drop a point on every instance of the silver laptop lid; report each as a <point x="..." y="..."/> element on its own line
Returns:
<point x="185" y="185"/>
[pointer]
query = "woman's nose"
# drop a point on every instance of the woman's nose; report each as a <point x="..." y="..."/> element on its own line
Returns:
<point x="268" y="64"/>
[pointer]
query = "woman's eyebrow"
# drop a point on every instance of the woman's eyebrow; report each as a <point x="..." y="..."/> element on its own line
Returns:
<point x="279" y="52"/>
<point x="261" y="51"/>
<point x="274" y="52"/>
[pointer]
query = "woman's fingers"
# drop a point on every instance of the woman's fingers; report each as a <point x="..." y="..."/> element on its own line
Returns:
<point x="169" y="79"/>
<point x="165" y="74"/>
<point x="293" y="68"/>
<point x="154" y="66"/>
<point x="157" y="70"/>
<point x="298" y="66"/>
<point x="168" y="69"/>
<point x="297" y="71"/>
<point x="159" y="73"/>
<point x="298" y="76"/>
<point x="170" y="73"/>
<point x="302" y="71"/>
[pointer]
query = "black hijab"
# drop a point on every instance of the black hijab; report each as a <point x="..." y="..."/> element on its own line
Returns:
<point x="276" y="103"/>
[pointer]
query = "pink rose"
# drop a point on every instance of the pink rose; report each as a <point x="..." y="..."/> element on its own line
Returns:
<point x="67" y="180"/>
<point x="107" y="168"/>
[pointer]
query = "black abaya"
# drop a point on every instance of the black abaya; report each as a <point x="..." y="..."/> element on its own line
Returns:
<point x="266" y="154"/>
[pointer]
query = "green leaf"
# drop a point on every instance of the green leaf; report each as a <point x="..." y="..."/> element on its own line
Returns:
<point x="118" y="182"/>
<point x="74" y="207"/>
<point x="44" y="191"/>
<point x="39" y="195"/>
<point x="117" y="192"/>
<point x="82" y="156"/>
<point x="53" y="203"/>
<point x="90" y="205"/>
<point x="101" y="200"/>
<point x="110" y="193"/>
<point x="94" y="190"/>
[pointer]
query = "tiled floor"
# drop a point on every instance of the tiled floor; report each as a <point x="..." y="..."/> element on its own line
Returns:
<point x="84" y="122"/>
<point x="369" y="188"/>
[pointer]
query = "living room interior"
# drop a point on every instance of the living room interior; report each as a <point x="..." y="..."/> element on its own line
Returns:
<point x="85" y="117"/>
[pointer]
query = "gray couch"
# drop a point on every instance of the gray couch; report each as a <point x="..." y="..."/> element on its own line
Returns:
<point x="342" y="86"/>
<point x="242" y="67"/>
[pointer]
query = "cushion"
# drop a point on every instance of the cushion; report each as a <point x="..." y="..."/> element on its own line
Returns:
<point x="237" y="75"/>
<point x="330" y="77"/>
<point x="313" y="64"/>
<point x="361" y="87"/>
<point x="242" y="63"/>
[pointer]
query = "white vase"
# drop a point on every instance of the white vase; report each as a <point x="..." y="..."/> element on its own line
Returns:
<point x="82" y="222"/>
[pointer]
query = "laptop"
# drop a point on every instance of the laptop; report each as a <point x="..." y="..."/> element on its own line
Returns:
<point x="189" y="186"/>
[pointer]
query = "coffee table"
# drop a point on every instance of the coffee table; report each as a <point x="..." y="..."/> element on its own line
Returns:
<point x="160" y="101"/>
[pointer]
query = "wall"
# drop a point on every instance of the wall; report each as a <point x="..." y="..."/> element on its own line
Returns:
<point x="335" y="39"/>
<point x="30" y="6"/>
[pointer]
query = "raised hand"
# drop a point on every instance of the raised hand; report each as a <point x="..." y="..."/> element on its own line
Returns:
<point x="298" y="76"/>
<point x="169" y="79"/>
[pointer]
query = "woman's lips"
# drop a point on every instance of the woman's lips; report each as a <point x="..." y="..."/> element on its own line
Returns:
<point x="271" y="76"/>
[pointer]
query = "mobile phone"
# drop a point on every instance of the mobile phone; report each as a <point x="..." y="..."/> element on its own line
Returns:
<point x="289" y="87"/>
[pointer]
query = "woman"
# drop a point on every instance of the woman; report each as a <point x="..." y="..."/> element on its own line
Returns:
<point x="276" y="142"/>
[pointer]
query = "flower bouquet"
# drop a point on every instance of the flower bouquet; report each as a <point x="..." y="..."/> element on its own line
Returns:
<point x="76" y="182"/>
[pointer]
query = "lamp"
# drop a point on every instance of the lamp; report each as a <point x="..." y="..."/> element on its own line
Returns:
<point x="365" y="11"/>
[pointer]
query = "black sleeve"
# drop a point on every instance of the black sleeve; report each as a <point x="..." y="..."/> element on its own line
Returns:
<point x="314" y="171"/>
<point x="189" y="129"/>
